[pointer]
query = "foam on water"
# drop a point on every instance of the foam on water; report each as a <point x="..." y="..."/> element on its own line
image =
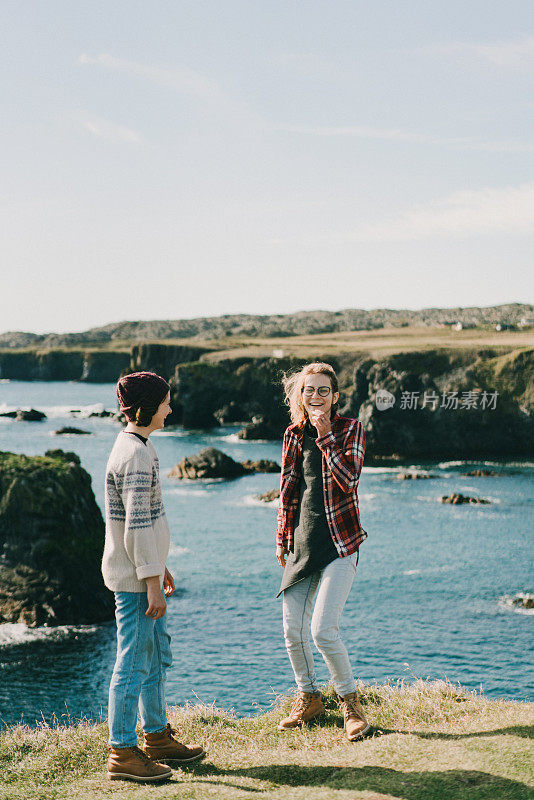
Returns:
<point x="252" y="500"/>
<point x="16" y="633"/>
<point x="178" y="550"/>
<point x="507" y="602"/>
<point x="55" y="412"/>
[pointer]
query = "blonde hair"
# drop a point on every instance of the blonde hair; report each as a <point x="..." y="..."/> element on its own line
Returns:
<point x="294" y="384"/>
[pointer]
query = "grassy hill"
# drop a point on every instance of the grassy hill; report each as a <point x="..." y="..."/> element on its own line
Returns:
<point x="303" y="323"/>
<point x="430" y="741"/>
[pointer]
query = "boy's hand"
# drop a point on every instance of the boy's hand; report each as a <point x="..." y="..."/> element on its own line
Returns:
<point x="157" y="605"/>
<point x="168" y="583"/>
<point x="281" y="554"/>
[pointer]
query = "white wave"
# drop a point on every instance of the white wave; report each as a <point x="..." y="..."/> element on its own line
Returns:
<point x="232" y="437"/>
<point x="197" y="481"/>
<point x="188" y="490"/>
<point x="367" y="496"/>
<point x="507" y="602"/>
<point x="381" y="470"/>
<point x="178" y="550"/>
<point x="54" y="412"/>
<point x="428" y="570"/>
<point x="5" y="380"/>
<point x="253" y="500"/>
<point x="13" y="633"/>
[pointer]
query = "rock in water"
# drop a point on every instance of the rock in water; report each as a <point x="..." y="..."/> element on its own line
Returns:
<point x="269" y="497"/>
<point x="413" y="476"/>
<point x="69" y="430"/>
<point x="459" y="499"/>
<point x="524" y="600"/>
<point x="263" y="465"/>
<point x="209" y="463"/>
<point x="213" y="463"/>
<point x="51" y="537"/>
<point x="30" y="416"/>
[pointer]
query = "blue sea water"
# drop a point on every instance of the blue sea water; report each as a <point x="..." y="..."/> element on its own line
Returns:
<point x="429" y="599"/>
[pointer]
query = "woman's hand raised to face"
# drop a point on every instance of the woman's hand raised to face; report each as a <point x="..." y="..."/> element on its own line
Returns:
<point x="281" y="554"/>
<point x="321" y="422"/>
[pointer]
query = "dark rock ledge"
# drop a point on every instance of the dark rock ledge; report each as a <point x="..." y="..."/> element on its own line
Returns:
<point x="213" y="463"/>
<point x="51" y="542"/>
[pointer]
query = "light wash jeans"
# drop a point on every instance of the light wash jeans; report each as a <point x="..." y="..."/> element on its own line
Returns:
<point x="330" y="589"/>
<point x="138" y="681"/>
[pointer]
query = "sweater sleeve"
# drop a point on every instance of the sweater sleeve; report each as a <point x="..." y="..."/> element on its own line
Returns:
<point x="139" y="539"/>
<point x="345" y="462"/>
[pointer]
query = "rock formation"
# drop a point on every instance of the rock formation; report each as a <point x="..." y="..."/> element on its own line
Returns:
<point x="459" y="499"/>
<point x="213" y="463"/>
<point x="30" y="416"/>
<point x="269" y="497"/>
<point x="69" y="430"/>
<point x="51" y="542"/>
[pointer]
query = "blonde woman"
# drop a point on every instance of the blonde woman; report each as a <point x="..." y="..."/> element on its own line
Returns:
<point x="317" y="539"/>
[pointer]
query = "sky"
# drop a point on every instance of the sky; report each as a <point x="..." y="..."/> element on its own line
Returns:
<point x="164" y="160"/>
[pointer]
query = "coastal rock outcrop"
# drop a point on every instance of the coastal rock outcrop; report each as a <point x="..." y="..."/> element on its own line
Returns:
<point x="51" y="542"/>
<point x="414" y="476"/>
<point x="213" y="463"/>
<point x="204" y="394"/>
<point x="438" y="411"/>
<point x="269" y="497"/>
<point x="30" y="416"/>
<point x="69" y="430"/>
<point x="460" y="499"/>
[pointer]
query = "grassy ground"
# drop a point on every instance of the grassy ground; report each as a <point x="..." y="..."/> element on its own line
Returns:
<point x="430" y="741"/>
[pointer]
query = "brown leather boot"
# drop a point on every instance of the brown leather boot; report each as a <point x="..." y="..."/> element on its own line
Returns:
<point x="163" y="745"/>
<point x="131" y="764"/>
<point x="355" y="723"/>
<point x="306" y="707"/>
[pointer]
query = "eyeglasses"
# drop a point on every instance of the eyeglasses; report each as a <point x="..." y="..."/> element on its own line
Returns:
<point x="322" y="391"/>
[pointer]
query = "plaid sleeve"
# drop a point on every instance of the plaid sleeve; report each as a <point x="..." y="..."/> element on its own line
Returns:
<point x="345" y="463"/>
<point x="287" y="480"/>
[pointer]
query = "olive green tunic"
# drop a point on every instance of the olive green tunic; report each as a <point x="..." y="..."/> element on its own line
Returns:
<point x="314" y="548"/>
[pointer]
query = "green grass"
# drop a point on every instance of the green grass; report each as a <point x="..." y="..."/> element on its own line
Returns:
<point x="430" y="741"/>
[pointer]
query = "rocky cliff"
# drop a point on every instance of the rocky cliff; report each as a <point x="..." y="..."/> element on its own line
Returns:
<point x="447" y="404"/>
<point x="51" y="542"/>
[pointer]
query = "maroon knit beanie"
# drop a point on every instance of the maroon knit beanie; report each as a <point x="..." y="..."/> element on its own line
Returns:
<point x="141" y="390"/>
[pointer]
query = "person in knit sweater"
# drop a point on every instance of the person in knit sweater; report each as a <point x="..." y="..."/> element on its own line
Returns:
<point x="134" y="568"/>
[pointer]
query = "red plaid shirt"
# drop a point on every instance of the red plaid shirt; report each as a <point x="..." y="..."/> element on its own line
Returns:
<point x="343" y="451"/>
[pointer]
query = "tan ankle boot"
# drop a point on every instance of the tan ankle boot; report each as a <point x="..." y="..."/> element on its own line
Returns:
<point x="305" y="708"/>
<point x="355" y="723"/>
<point x="131" y="764"/>
<point x="163" y="745"/>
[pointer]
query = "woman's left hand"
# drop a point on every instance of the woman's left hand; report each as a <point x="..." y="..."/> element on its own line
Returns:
<point x="322" y="423"/>
<point x="168" y="583"/>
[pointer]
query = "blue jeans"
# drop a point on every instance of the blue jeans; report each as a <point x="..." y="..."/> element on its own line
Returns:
<point x="138" y="681"/>
<point x="328" y="590"/>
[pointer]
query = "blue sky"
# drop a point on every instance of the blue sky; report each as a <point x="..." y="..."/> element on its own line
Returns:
<point x="180" y="159"/>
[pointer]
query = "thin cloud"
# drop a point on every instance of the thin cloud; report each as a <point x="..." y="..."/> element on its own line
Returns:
<point x="413" y="137"/>
<point x="103" y="129"/>
<point x="466" y="213"/>
<point x="517" y="54"/>
<point x="508" y="210"/>
<point x="183" y="80"/>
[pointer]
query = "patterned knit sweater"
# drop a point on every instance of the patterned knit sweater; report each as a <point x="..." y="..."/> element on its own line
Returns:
<point x="137" y="531"/>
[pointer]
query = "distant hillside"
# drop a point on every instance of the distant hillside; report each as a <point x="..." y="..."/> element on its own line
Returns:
<point x="249" y="325"/>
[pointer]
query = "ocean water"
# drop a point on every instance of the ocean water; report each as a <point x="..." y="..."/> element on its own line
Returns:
<point x="429" y="599"/>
